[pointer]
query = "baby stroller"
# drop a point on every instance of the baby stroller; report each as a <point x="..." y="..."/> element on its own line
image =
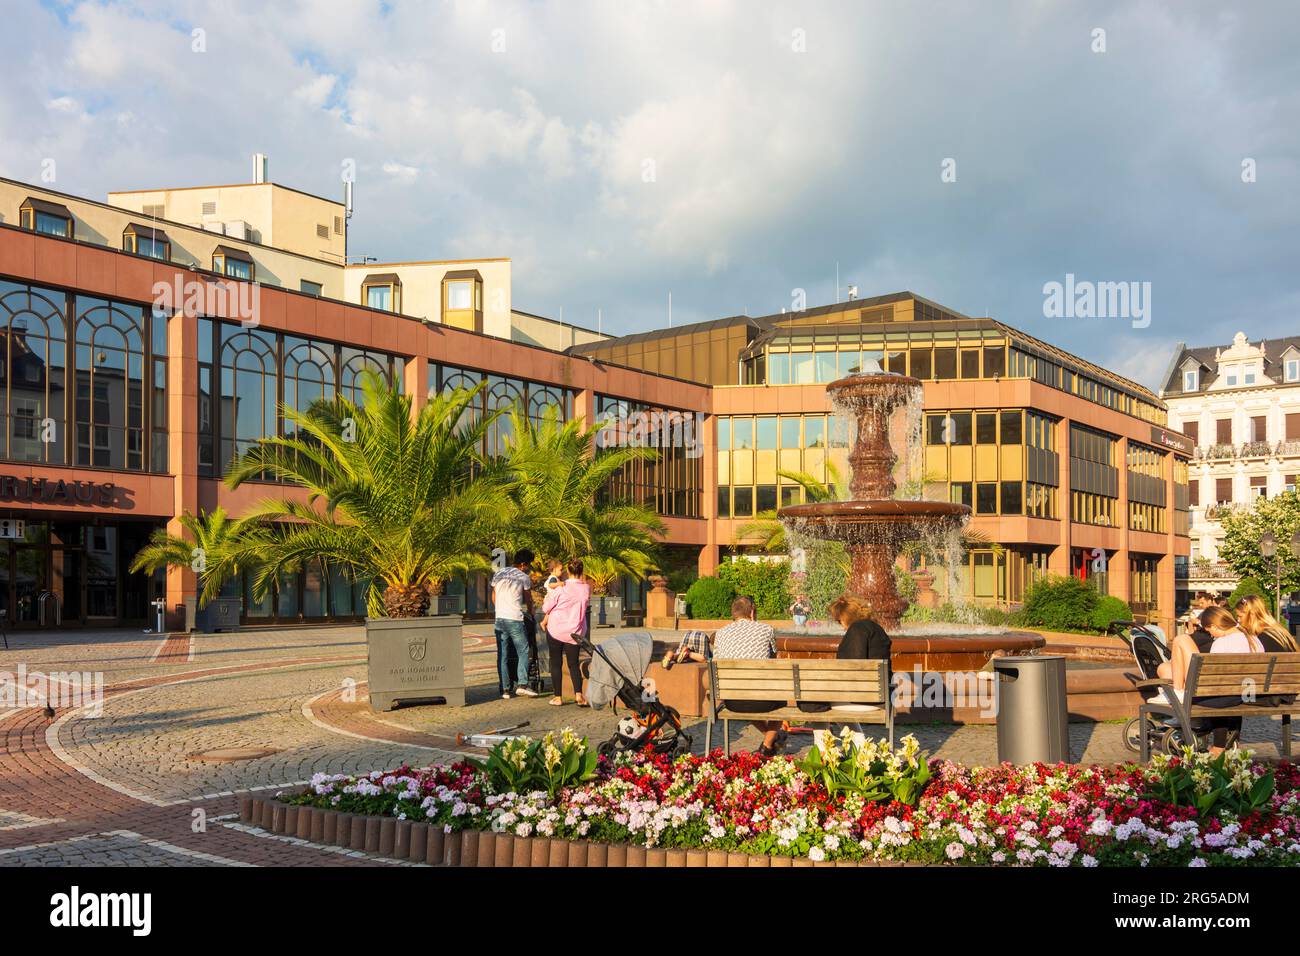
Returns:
<point x="1149" y="651"/>
<point x="650" y="723"/>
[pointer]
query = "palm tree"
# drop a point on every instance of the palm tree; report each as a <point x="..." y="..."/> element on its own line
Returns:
<point x="768" y="531"/>
<point x="561" y="506"/>
<point x="400" y="500"/>
<point x="217" y="550"/>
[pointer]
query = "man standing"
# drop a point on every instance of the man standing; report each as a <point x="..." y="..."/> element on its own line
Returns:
<point x="512" y="593"/>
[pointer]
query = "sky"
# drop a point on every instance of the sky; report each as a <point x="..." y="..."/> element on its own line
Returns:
<point x="737" y="155"/>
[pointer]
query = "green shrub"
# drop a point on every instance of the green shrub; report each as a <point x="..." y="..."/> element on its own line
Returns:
<point x="767" y="582"/>
<point x="681" y="579"/>
<point x="1251" y="587"/>
<point x="1060" y="604"/>
<point x="710" y="599"/>
<point x="827" y="576"/>
<point x="1110" y="608"/>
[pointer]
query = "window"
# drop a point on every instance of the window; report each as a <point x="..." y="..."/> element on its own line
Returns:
<point x="1259" y="486"/>
<point x="382" y="291"/>
<point x="109" y="404"/>
<point x="1223" y="431"/>
<point x="43" y="216"/>
<point x="236" y="263"/>
<point x="33" y="369"/>
<point x="460" y="295"/>
<point x="986" y="498"/>
<point x="1011" y="498"/>
<point x="1230" y="376"/>
<point x="1248" y="376"/>
<point x="986" y="428"/>
<point x="1293" y="370"/>
<point x="311" y="288"/>
<point x="1193" y="431"/>
<point x="1223" y="490"/>
<point x="146" y="241"/>
<point x="1011" y="428"/>
<point x="1191" y="380"/>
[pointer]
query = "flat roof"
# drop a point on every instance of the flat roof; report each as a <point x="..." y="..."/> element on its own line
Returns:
<point x="181" y="189"/>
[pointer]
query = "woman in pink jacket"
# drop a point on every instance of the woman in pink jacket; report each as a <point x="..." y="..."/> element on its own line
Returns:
<point x="566" y="614"/>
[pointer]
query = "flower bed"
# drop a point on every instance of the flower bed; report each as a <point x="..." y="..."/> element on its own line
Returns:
<point x="851" y="800"/>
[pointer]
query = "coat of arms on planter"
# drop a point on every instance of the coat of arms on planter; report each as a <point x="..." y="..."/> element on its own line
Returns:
<point x="416" y="649"/>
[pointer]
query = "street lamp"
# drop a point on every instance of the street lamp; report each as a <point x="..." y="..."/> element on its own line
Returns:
<point x="1268" y="548"/>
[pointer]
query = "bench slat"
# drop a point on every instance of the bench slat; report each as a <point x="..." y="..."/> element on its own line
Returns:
<point x="1211" y="666"/>
<point x="1245" y="710"/>
<point x="1286" y="685"/>
<point x="803" y="717"/>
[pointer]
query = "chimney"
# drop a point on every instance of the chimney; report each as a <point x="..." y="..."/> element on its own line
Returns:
<point x="260" y="163"/>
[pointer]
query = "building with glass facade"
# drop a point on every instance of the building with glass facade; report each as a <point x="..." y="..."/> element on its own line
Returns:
<point x="146" y="347"/>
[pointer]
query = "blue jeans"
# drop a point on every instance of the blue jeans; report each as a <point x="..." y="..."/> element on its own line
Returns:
<point x="510" y="633"/>
<point x="800" y="620"/>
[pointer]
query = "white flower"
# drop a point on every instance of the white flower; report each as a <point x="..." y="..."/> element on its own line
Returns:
<point x="955" y="850"/>
<point x="816" y="854"/>
<point x="1198" y="861"/>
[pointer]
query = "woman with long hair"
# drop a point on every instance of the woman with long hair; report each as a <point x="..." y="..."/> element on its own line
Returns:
<point x="1255" y="620"/>
<point x="1229" y="638"/>
<point x="566" y="615"/>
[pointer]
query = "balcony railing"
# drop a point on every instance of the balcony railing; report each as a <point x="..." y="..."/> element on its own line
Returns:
<point x="1250" y="449"/>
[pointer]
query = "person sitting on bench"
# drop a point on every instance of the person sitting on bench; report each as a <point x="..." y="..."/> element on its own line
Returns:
<point x="746" y="639"/>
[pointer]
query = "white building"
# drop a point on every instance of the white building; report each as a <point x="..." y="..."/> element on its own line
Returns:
<point x="1240" y="405"/>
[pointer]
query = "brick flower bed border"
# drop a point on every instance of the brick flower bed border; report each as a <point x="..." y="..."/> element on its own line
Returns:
<point x="425" y="843"/>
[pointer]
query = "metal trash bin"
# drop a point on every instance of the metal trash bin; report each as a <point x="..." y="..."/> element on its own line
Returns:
<point x="1033" y="719"/>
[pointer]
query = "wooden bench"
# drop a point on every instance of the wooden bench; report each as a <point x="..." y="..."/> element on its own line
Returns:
<point x="794" y="681"/>
<point x="1249" y="676"/>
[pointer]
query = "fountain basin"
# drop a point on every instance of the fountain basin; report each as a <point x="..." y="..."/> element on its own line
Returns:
<point x="928" y="651"/>
<point x="878" y="520"/>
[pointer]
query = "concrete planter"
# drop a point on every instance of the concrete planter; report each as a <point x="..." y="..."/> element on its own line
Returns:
<point x="415" y="660"/>
<point x="220" y="614"/>
<point x="441" y="604"/>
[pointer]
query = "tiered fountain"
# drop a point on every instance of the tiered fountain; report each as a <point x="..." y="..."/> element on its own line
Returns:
<point x="874" y="525"/>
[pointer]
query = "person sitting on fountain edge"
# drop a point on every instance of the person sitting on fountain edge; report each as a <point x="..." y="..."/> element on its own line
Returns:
<point x="864" y="639"/>
<point x="746" y="639"/>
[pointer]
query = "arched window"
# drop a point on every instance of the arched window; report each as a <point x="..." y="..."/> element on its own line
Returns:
<point x="503" y="393"/>
<point x="308" y="375"/>
<point x="542" y="397"/>
<point x="248" y="390"/>
<point x="109" y="406"/>
<point x="354" y="364"/>
<point x="33" y="364"/>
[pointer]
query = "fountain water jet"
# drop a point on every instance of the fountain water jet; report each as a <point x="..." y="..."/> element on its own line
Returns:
<point x="874" y="525"/>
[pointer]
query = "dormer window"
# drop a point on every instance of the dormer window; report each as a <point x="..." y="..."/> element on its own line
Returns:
<point x="1248" y="375"/>
<point x="43" y="216"/>
<point x="1191" y="380"/>
<point x="1230" y="376"/>
<point x="146" y="241"/>
<point x="236" y="263"/>
<point x="383" y="291"/>
<point x="1293" y="370"/>
<point x="462" y="299"/>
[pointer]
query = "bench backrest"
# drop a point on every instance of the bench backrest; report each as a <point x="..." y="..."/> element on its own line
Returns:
<point x="822" y="681"/>
<point x="1228" y="675"/>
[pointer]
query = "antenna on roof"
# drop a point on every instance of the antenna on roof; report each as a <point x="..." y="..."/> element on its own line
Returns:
<point x="347" y="198"/>
<point x="599" y="327"/>
<point x="670" y="310"/>
<point x="261" y="165"/>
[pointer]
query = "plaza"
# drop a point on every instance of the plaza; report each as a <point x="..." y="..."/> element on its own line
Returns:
<point x="192" y="723"/>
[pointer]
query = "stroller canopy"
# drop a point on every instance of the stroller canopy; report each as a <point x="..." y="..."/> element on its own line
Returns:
<point x="630" y="653"/>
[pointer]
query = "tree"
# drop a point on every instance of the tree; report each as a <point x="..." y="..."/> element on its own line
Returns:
<point x="399" y="500"/>
<point x="1242" y="531"/>
<point x="560" y="504"/>
<point x="217" y="550"/>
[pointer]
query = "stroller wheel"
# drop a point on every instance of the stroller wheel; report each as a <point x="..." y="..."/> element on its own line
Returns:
<point x="1172" y="742"/>
<point x="1132" y="734"/>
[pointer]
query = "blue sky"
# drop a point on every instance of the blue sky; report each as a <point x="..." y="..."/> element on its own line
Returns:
<point x="730" y="153"/>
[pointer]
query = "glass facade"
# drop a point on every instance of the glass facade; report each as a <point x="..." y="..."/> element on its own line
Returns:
<point x="752" y="449"/>
<point x="1094" y="477"/>
<point x="114" y="355"/>
<point x="501" y="393"/>
<point x="247" y="375"/>
<point x="995" y="461"/>
<point x="672" y="483"/>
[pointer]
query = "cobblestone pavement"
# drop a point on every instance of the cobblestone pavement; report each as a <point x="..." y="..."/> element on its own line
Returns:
<point x="141" y="785"/>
